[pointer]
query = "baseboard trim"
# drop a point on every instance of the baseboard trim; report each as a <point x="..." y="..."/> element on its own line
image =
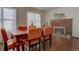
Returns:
<point x="75" y="37"/>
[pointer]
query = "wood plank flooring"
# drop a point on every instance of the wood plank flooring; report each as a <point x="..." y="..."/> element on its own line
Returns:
<point x="60" y="44"/>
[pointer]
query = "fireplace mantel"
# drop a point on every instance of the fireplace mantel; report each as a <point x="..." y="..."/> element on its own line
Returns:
<point x="67" y="23"/>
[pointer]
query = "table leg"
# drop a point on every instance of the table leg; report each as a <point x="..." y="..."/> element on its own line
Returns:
<point x="18" y="42"/>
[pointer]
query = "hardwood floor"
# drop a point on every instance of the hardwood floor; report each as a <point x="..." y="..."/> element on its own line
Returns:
<point x="75" y="45"/>
<point x="60" y="44"/>
<point x="64" y="44"/>
<point x="1" y="47"/>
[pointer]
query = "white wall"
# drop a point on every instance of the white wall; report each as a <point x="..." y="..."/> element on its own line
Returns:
<point x="70" y="12"/>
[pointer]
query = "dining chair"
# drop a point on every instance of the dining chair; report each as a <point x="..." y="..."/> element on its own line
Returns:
<point x="8" y="43"/>
<point x="22" y="27"/>
<point x="33" y="38"/>
<point x="47" y="35"/>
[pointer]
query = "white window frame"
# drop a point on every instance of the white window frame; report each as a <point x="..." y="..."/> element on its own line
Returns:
<point x="2" y="17"/>
<point x="35" y="22"/>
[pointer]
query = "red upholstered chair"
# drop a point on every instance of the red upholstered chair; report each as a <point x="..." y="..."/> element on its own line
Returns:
<point x="34" y="37"/>
<point x="22" y="27"/>
<point x="47" y="32"/>
<point x="8" y="44"/>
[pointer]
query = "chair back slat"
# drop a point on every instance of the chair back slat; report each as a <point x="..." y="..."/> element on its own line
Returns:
<point x="47" y="30"/>
<point x="34" y="33"/>
<point x="23" y="28"/>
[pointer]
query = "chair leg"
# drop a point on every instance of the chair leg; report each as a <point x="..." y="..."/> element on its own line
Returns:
<point x="5" y="46"/>
<point x="23" y="47"/>
<point x="13" y="49"/>
<point x="39" y="44"/>
<point x="46" y="41"/>
<point x="50" y="41"/>
<point x="29" y="45"/>
<point x="44" y="44"/>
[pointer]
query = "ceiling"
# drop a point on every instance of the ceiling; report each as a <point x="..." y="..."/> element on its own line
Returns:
<point x="45" y="8"/>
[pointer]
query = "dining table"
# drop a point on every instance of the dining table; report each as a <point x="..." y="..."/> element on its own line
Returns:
<point x="19" y="36"/>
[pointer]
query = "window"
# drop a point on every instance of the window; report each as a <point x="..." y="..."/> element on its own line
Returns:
<point x="8" y="18"/>
<point x="9" y="14"/>
<point x="33" y="18"/>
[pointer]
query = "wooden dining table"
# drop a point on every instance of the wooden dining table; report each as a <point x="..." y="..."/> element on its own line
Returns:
<point x="18" y="35"/>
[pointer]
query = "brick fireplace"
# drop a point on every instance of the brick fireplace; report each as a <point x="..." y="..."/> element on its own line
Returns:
<point x="62" y="26"/>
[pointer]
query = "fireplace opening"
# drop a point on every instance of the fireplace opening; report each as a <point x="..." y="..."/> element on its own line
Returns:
<point x="59" y="30"/>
